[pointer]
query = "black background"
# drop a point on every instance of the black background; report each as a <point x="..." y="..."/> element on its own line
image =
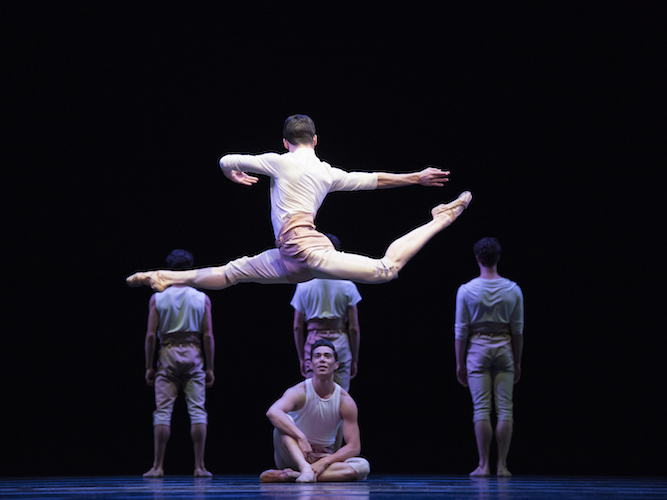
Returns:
<point x="117" y="114"/>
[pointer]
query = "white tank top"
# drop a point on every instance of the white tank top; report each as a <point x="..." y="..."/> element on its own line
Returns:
<point x="180" y="309"/>
<point x="319" y="419"/>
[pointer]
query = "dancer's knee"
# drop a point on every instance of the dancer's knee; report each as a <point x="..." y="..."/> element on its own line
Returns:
<point x="361" y="467"/>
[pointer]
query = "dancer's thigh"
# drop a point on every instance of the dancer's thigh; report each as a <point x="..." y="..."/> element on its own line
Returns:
<point x="266" y="267"/>
<point x="331" y="264"/>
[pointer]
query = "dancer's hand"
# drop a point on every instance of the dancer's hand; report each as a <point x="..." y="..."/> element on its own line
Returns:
<point x="241" y="178"/>
<point x="320" y="466"/>
<point x="462" y="375"/>
<point x="150" y="377"/>
<point x="433" y="177"/>
<point x="354" y="369"/>
<point x="517" y="373"/>
<point x="305" y="447"/>
<point x="210" y="378"/>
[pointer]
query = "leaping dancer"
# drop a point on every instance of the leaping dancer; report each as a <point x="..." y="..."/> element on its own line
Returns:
<point x="299" y="183"/>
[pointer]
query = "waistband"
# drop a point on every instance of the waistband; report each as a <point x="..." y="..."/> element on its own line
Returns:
<point x="289" y="229"/>
<point x="180" y="339"/>
<point x="490" y="334"/>
<point x="326" y="331"/>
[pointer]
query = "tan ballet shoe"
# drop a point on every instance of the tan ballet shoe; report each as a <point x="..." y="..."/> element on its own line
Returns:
<point x="453" y="209"/>
<point x="148" y="278"/>
<point x="278" y="476"/>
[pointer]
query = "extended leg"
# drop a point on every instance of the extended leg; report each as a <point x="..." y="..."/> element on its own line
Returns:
<point x="265" y="267"/>
<point x="210" y="278"/>
<point x="331" y="264"/>
<point x="161" y="435"/>
<point x="405" y="247"/>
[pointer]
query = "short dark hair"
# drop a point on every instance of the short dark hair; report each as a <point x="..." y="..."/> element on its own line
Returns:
<point x="299" y="130"/>
<point x="487" y="250"/>
<point x="324" y="343"/>
<point x="334" y="239"/>
<point x="180" y="259"/>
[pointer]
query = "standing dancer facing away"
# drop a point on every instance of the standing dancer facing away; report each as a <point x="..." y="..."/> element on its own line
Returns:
<point x="489" y="344"/>
<point x="299" y="183"/>
<point x="180" y="318"/>
<point x="327" y="309"/>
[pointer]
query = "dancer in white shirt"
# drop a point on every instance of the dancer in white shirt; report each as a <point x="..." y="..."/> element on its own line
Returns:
<point x="306" y="420"/>
<point x="489" y="344"/>
<point x="299" y="183"/>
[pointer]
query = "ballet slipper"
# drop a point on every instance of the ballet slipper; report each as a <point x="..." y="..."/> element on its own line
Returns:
<point x="453" y="209"/>
<point x="148" y="278"/>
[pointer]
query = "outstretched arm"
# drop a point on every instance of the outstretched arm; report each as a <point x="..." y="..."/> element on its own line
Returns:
<point x="241" y="177"/>
<point x="236" y="167"/>
<point x="431" y="176"/>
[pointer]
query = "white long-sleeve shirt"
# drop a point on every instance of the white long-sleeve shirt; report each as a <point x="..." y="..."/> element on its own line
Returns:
<point x="488" y="305"/>
<point x="299" y="180"/>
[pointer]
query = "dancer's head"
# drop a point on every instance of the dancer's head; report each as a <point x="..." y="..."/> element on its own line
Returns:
<point x="334" y="239"/>
<point x="325" y="350"/>
<point x="324" y="343"/>
<point x="487" y="251"/>
<point x="299" y="130"/>
<point x="180" y="259"/>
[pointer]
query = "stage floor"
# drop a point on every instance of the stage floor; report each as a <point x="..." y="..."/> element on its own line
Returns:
<point x="376" y="487"/>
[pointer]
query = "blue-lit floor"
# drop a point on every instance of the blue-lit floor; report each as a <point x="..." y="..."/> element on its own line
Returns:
<point x="376" y="487"/>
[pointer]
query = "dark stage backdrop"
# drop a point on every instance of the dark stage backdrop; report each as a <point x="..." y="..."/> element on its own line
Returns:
<point x="117" y="118"/>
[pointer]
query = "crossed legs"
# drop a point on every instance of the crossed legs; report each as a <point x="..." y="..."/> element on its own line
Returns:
<point x="336" y="472"/>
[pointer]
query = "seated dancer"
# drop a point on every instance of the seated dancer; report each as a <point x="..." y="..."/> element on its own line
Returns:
<point x="299" y="183"/>
<point x="306" y="420"/>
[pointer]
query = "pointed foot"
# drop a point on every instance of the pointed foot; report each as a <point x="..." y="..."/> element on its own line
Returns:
<point x="453" y="209"/>
<point x="149" y="278"/>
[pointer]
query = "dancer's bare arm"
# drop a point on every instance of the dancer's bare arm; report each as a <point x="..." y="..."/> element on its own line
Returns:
<point x="293" y="399"/>
<point x="349" y="414"/>
<point x="460" y="348"/>
<point x="517" y="351"/>
<point x="299" y="339"/>
<point x="430" y="176"/>
<point x="354" y="334"/>
<point x="209" y="344"/>
<point x="150" y="341"/>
